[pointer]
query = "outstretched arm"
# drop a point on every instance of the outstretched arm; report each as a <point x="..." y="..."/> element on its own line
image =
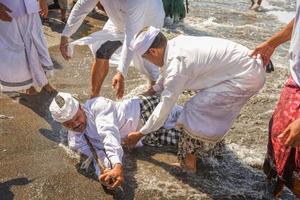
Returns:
<point x="133" y="24"/>
<point x="77" y="15"/>
<point x="266" y="49"/>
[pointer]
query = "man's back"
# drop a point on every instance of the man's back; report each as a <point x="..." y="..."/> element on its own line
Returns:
<point x="207" y="61"/>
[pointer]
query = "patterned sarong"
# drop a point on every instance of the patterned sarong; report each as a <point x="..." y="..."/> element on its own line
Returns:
<point x="199" y="148"/>
<point x="283" y="161"/>
<point x="163" y="135"/>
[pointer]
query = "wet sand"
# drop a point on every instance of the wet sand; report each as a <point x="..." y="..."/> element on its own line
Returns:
<point x="35" y="164"/>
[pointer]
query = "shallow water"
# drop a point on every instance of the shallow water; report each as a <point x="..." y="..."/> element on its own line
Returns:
<point x="237" y="173"/>
<point x="234" y="21"/>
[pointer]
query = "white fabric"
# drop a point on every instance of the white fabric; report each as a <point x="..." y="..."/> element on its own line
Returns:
<point x="206" y="65"/>
<point x="141" y="43"/>
<point x="108" y="123"/>
<point x="24" y="54"/>
<point x="295" y="47"/>
<point x="21" y="7"/>
<point x="126" y="18"/>
<point x="68" y="109"/>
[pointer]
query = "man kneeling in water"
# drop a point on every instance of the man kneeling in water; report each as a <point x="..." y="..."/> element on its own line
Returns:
<point x="103" y="123"/>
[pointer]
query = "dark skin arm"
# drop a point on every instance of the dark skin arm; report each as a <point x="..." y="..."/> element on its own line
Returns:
<point x="267" y="48"/>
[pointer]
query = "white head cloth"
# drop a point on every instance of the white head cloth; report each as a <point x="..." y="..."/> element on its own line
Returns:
<point x="141" y="43"/>
<point x="63" y="107"/>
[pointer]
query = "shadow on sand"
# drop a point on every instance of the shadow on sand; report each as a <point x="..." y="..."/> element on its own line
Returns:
<point x="6" y="186"/>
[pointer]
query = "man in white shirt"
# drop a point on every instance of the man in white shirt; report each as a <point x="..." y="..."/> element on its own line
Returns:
<point x="219" y="70"/>
<point x="105" y="123"/>
<point x="24" y="57"/>
<point x="126" y="18"/>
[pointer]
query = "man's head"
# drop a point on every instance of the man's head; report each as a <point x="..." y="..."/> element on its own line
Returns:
<point x="150" y="43"/>
<point x="67" y="110"/>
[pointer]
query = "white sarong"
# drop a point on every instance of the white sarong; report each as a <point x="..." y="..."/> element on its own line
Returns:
<point x="24" y="57"/>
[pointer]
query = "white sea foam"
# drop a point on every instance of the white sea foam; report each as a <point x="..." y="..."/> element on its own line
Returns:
<point x="281" y="14"/>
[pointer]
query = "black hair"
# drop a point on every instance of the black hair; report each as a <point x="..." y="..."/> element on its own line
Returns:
<point x="160" y="40"/>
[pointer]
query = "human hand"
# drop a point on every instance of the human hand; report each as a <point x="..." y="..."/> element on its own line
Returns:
<point x="118" y="84"/>
<point x="4" y="16"/>
<point x="64" y="41"/>
<point x="44" y="8"/>
<point x="291" y="135"/>
<point x="265" y="50"/>
<point x="132" y="139"/>
<point x="113" y="178"/>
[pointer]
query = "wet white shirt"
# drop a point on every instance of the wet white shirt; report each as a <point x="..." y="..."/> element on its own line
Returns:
<point x="107" y="123"/>
<point x="198" y="63"/>
<point x="295" y="47"/>
<point x="129" y="16"/>
<point x="21" y="7"/>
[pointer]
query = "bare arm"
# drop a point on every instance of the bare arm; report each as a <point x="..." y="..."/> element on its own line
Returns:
<point x="267" y="48"/>
<point x="77" y="15"/>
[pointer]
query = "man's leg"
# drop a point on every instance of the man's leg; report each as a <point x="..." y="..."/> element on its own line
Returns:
<point x="296" y="186"/>
<point x="63" y="15"/>
<point x="98" y="73"/>
<point x="191" y="148"/>
<point x="283" y="158"/>
<point x="100" y="66"/>
<point x="31" y="91"/>
<point x="63" y="5"/>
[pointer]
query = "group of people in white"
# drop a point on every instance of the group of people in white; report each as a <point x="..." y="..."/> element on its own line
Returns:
<point x="224" y="75"/>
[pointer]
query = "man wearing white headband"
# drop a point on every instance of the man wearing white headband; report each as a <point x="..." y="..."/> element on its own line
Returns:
<point x="218" y="70"/>
<point x="111" y="44"/>
<point x="105" y="123"/>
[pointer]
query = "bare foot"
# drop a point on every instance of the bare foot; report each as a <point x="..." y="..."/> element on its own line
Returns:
<point x="31" y="91"/>
<point x="180" y="168"/>
<point x="48" y="88"/>
<point x="255" y="7"/>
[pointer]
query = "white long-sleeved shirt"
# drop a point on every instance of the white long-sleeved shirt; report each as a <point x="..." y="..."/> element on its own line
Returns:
<point x="21" y="7"/>
<point x="198" y="63"/>
<point x="129" y="16"/>
<point x="107" y="123"/>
